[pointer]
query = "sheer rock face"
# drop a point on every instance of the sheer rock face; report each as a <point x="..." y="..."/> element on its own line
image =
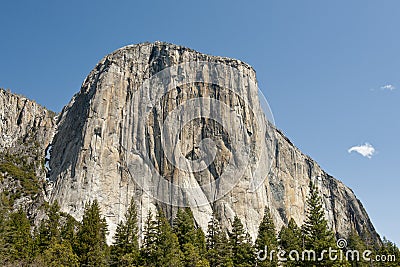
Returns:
<point x="102" y="134"/>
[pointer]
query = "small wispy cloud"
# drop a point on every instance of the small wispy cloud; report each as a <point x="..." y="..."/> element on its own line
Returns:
<point x="389" y="87"/>
<point x="366" y="150"/>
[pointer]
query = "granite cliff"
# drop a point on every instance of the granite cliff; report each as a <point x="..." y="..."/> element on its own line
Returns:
<point x="109" y="144"/>
<point x="26" y="130"/>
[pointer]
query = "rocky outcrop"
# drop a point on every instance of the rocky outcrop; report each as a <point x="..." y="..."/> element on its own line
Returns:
<point x="109" y="145"/>
<point x="26" y="130"/>
<point x="23" y="122"/>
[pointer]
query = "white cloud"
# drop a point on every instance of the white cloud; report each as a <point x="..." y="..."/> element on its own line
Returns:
<point x="366" y="150"/>
<point x="389" y="87"/>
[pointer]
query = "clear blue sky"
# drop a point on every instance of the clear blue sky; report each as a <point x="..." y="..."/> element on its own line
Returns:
<point x="323" y="66"/>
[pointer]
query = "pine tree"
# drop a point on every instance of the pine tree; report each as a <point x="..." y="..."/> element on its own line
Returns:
<point x="161" y="245"/>
<point x="184" y="227"/>
<point x="201" y="243"/>
<point x="290" y="239"/>
<point x="317" y="236"/>
<point x="125" y="251"/>
<point x="219" y="252"/>
<point x="192" y="257"/>
<point x="388" y="250"/>
<point x="168" y="251"/>
<point x="68" y="230"/>
<point x="242" y="249"/>
<point x="149" y="247"/>
<point x="60" y="254"/>
<point x="355" y="243"/>
<point x="19" y="242"/>
<point x="49" y="229"/>
<point x="91" y="237"/>
<point x="3" y="231"/>
<point x="266" y="240"/>
<point x="191" y="240"/>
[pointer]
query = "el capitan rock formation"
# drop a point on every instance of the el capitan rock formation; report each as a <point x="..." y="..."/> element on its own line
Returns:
<point x="104" y="132"/>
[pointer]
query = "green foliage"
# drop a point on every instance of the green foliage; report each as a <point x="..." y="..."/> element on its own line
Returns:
<point x="62" y="241"/>
<point x="290" y="239"/>
<point x="168" y="252"/>
<point x="69" y="229"/>
<point x="191" y="240"/>
<point x="5" y="202"/>
<point x="161" y="245"/>
<point x="125" y="250"/>
<point x="388" y="250"/>
<point x="53" y="247"/>
<point x="149" y="247"/>
<point x="49" y="230"/>
<point x="18" y="239"/>
<point x="191" y="256"/>
<point x="184" y="227"/>
<point x="317" y="236"/>
<point x="18" y="170"/>
<point x="242" y="249"/>
<point x="25" y="174"/>
<point x="266" y="239"/>
<point x="201" y="243"/>
<point x="91" y="243"/>
<point x="219" y="252"/>
<point x="3" y="231"/>
<point x="355" y="243"/>
<point x="60" y="254"/>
